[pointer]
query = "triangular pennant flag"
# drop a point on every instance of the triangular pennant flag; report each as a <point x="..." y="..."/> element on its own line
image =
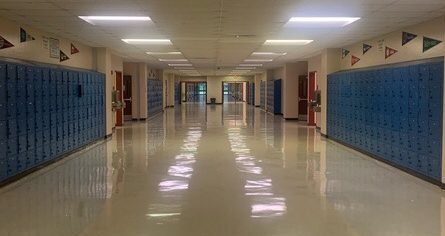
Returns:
<point x="63" y="56"/>
<point x="389" y="52"/>
<point x="354" y="60"/>
<point x="429" y="43"/>
<point x="5" y="43"/>
<point x="366" y="48"/>
<point x="74" y="50"/>
<point x="344" y="53"/>
<point x="407" y="37"/>
<point x="25" y="37"/>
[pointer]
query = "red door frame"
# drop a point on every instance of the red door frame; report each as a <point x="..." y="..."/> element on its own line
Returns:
<point x="311" y="96"/>
<point x="119" y="87"/>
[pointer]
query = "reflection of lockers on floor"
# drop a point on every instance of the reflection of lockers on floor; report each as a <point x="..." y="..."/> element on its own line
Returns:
<point x="263" y="95"/>
<point x="274" y="96"/>
<point x="154" y="96"/>
<point x="47" y="112"/>
<point x="394" y="113"/>
<point x="251" y="98"/>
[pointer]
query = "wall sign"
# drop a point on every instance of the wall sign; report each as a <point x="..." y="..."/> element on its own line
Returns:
<point x="54" y="48"/>
<point x="354" y="60"/>
<point x="344" y="53"/>
<point x="429" y="43"/>
<point x="5" y="43"/>
<point x="63" y="56"/>
<point x="74" y="50"/>
<point x="366" y="48"/>
<point x="407" y="37"/>
<point x="389" y="52"/>
<point x="25" y="36"/>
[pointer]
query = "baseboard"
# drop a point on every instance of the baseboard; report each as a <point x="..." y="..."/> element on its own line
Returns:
<point x="257" y="106"/>
<point x="218" y="103"/>
<point x="291" y="118"/>
<point x="395" y="165"/>
<point x="135" y="119"/>
<point x="20" y="176"/>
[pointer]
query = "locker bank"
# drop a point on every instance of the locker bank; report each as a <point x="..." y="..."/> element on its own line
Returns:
<point x="222" y="117"/>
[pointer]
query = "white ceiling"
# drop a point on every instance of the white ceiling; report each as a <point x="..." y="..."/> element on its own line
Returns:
<point x="205" y="30"/>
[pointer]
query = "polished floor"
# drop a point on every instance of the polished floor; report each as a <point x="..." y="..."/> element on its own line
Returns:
<point x="220" y="171"/>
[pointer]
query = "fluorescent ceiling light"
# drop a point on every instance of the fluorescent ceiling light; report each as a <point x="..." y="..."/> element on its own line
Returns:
<point x="288" y="42"/>
<point x="251" y="65"/>
<point x="90" y="19"/>
<point x="164" y="53"/>
<point x="173" y="60"/>
<point x="258" y="60"/>
<point x="270" y="53"/>
<point x="147" y="41"/>
<point x="180" y="64"/>
<point x="246" y="68"/>
<point x="184" y="68"/>
<point x="333" y="21"/>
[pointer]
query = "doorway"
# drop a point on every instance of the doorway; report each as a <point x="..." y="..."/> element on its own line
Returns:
<point x="127" y="98"/>
<point x="234" y="92"/>
<point x="311" y="96"/>
<point x="196" y="92"/>
<point x="302" y="97"/>
<point x="119" y="88"/>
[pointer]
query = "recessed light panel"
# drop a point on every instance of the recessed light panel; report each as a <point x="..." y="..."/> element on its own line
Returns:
<point x="93" y="19"/>
<point x="251" y="65"/>
<point x="173" y="60"/>
<point x="321" y="22"/>
<point x="148" y="41"/>
<point x="296" y="42"/>
<point x="185" y="64"/>
<point x="164" y="53"/>
<point x="269" y="53"/>
<point x="258" y="60"/>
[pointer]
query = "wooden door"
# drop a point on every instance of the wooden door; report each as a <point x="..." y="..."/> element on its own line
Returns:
<point x="119" y="87"/>
<point x="127" y="97"/>
<point x="311" y="97"/>
<point x="302" y="97"/>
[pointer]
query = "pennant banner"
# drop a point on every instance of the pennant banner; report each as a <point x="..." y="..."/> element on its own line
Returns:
<point x="429" y="43"/>
<point x="5" y="43"/>
<point x="63" y="56"/>
<point x="74" y="50"/>
<point x="366" y="48"/>
<point x="354" y="60"/>
<point x="344" y="53"/>
<point x="407" y="37"/>
<point x="25" y="37"/>
<point x="389" y="52"/>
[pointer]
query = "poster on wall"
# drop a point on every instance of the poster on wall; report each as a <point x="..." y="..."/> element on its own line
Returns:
<point x="354" y="60"/>
<point x="45" y="42"/>
<point x="5" y="43"/>
<point x="63" y="56"/>
<point x="54" y="49"/>
<point x="344" y="53"/>
<point x="389" y="52"/>
<point x="429" y="43"/>
<point x="381" y="44"/>
<point x="366" y="48"/>
<point x="407" y="37"/>
<point x="74" y="49"/>
<point x="25" y="36"/>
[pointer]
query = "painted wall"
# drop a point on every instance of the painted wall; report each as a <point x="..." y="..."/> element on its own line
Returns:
<point x="290" y="91"/>
<point x="34" y="50"/>
<point x="258" y="78"/>
<point x="411" y="51"/>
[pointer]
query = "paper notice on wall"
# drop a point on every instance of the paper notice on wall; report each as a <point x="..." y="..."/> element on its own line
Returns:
<point x="54" y="48"/>
<point x="381" y="45"/>
<point x="45" y="42"/>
